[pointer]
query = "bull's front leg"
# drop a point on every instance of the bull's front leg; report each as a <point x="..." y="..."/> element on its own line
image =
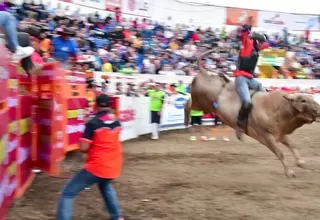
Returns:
<point x="287" y="142"/>
<point x="269" y="141"/>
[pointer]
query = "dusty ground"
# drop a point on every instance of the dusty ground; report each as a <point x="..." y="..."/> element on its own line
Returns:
<point x="175" y="179"/>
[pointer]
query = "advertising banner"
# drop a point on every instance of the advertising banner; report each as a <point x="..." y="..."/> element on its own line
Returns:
<point x="304" y="22"/>
<point x="272" y="57"/>
<point x="137" y="7"/>
<point x="173" y="111"/>
<point x="127" y="117"/>
<point x="98" y="4"/>
<point x="236" y="16"/>
<point x="112" y="4"/>
<point x="274" y="20"/>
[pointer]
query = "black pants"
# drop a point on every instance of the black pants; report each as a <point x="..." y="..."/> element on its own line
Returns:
<point x="216" y="120"/>
<point x="155" y="117"/>
<point x="196" y="120"/>
<point x="24" y="41"/>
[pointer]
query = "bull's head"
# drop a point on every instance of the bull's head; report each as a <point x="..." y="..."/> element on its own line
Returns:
<point x="305" y="107"/>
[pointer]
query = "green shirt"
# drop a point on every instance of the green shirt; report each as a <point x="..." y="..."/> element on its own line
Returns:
<point x="195" y="112"/>
<point x="181" y="89"/>
<point x="156" y="99"/>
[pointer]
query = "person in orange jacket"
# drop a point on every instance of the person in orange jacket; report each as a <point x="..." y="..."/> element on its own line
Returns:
<point x="101" y="142"/>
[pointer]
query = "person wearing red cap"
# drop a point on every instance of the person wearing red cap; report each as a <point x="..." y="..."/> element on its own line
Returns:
<point x="101" y="142"/>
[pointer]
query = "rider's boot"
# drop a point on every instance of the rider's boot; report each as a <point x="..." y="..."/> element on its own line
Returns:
<point x="242" y="119"/>
<point x="243" y="114"/>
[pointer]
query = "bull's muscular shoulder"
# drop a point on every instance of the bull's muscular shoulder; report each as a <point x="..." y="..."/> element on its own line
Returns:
<point x="270" y="101"/>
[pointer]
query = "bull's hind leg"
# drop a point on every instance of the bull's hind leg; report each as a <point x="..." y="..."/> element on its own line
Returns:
<point x="269" y="141"/>
<point x="286" y="141"/>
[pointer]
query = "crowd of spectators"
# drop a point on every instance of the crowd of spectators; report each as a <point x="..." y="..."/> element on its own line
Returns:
<point x="114" y="43"/>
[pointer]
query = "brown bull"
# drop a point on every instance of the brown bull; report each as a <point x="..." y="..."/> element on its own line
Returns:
<point x="273" y="117"/>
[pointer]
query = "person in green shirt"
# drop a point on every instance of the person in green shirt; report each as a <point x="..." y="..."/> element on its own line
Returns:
<point x="180" y="88"/>
<point x="196" y="120"/>
<point x="156" y="103"/>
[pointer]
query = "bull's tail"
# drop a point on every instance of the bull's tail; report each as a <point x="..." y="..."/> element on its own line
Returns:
<point x="201" y="69"/>
<point x="187" y="110"/>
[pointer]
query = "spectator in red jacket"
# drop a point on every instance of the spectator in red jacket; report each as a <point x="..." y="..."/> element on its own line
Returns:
<point x="195" y="37"/>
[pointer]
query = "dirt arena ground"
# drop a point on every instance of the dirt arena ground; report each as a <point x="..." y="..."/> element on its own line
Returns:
<point x="176" y="179"/>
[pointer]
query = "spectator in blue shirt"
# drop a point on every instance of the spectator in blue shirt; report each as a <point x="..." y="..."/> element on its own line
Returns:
<point x="64" y="46"/>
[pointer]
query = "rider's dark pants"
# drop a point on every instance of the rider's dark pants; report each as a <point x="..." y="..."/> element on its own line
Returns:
<point x="24" y="41"/>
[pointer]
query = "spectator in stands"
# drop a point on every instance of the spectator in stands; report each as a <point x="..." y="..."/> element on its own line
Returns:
<point x="35" y="57"/>
<point x="131" y="91"/>
<point x="139" y="40"/>
<point x="137" y="44"/>
<point x="106" y="66"/>
<point x="119" y="88"/>
<point x="45" y="45"/>
<point x="8" y="24"/>
<point x="101" y="142"/>
<point x="63" y="46"/>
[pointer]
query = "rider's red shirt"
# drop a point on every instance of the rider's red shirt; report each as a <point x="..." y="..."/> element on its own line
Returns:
<point x="246" y="51"/>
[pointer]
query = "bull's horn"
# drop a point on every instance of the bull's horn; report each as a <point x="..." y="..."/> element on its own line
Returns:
<point x="201" y="69"/>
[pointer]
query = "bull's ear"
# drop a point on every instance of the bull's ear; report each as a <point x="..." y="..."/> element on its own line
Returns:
<point x="289" y="96"/>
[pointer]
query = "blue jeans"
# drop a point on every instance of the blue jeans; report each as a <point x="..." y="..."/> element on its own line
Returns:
<point x="9" y="25"/>
<point x="78" y="183"/>
<point x="243" y="86"/>
<point x="140" y="62"/>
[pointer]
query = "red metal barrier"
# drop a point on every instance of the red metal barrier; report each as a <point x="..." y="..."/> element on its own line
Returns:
<point x="42" y="118"/>
<point x="75" y="97"/>
<point x="7" y="156"/>
<point x="50" y="112"/>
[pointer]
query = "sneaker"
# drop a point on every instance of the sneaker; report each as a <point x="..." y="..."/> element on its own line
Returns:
<point x="212" y="138"/>
<point x="36" y="171"/>
<point x="22" y="52"/>
<point x="192" y="138"/>
<point x="226" y="139"/>
<point x="154" y="137"/>
<point x="204" y="138"/>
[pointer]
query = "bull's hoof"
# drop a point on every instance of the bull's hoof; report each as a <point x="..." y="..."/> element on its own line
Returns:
<point x="302" y="164"/>
<point x="239" y="134"/>
<point x="290" y="173"/>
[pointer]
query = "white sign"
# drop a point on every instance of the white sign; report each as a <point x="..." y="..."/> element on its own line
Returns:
<point x="98" y="4"/>
<point x="137" y="7"/>
<point x="127" y="117"/>
<point x="112" y="4"/>
<point x="274" y="20"/>
<point x="304" y="22"/>
<point x="173" y="111"/>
